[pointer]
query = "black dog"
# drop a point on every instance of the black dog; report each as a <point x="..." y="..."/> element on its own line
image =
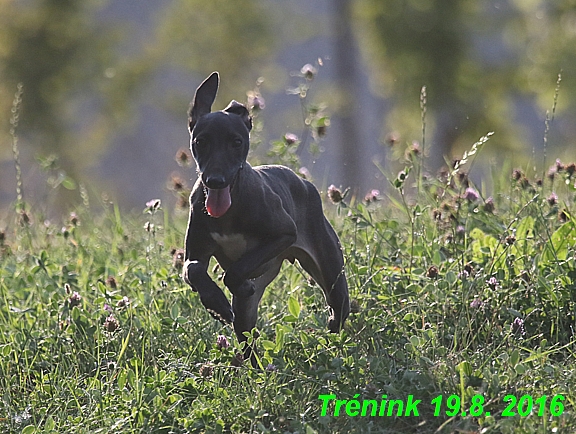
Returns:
<point x="251" y="219"/>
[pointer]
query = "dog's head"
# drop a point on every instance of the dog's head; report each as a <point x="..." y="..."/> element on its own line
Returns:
<point x="219" y="142"/>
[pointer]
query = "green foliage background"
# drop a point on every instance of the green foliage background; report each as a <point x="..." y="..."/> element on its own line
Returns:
<point x="483" y="64"/>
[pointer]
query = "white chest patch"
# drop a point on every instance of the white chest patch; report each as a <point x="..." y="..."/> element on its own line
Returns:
<point x="233" y="245"/>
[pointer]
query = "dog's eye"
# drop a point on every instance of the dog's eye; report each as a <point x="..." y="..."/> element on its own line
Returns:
<point x="199" y="142"/>
<point x="237" y="143"/>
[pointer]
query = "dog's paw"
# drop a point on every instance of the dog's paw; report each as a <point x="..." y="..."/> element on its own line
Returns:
<point x="220" y="318"/>
<point x="246" y="289"/>
<point x="334" y="325"/>
<point x="219" y="307"/>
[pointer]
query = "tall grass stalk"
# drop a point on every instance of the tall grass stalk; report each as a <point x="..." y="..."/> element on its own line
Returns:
<point x="14" y="121"/>
<point x="548" y="122"/>
<point x="420" y="169"/>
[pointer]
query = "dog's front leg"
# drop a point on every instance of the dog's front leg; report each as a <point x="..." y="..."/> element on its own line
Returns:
<point x="199" y="250"/>
<point x="211" y="295"/>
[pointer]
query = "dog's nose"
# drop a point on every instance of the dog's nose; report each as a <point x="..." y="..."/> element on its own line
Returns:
<point x="215" y="182"/>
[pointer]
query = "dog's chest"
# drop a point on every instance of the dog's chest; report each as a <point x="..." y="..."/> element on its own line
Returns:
<point x="233" y="245"/>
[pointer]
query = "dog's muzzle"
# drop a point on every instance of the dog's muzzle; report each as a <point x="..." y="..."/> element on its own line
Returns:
<point x="218" y="195"/>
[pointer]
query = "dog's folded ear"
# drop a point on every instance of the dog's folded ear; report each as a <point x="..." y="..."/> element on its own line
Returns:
<point x="203" y="98"/>
<point x="240" y="110"/>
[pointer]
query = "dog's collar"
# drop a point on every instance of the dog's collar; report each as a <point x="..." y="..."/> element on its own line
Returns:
<point x="236" y="177"/>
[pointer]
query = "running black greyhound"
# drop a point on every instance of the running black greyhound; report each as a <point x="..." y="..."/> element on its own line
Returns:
<point x="251" y="219"/>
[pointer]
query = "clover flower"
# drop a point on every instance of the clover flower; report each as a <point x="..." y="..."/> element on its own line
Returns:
<point x="238" y="360"/>
<point x="372" y="196"/>
<point x="271" y="367"/>
<point x="308" y="71"/>
<point x="124" y="302"/>
<point x="492" y="282"/>
<point x="517" y="327"/>
<point x="206" y="370"/>
<point x="74" y="219"/>
<point x="75" y="299"/>
<point x="222" y="342"/>
<point x="111" y="324"/>
<point x="471" y="195"/>
<point x="111" y="282"/>
<point x="476" y="303"/>
<point x="354" y="306"/>
<point x="334" y="194"/>
<point x="290" y="138"/>
<point x="432" y="272"/>
<point x="178" y="258"/>
<point x="489" y="205"/>
<point x="183" y="157"/>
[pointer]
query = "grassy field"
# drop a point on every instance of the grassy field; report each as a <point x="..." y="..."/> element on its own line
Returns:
<point x="463" y="309"/>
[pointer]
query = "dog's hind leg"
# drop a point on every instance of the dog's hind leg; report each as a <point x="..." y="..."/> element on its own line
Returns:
<point x="338" y="299"/>
<point x="326" y="266"/>
<point x="320" y="254"/>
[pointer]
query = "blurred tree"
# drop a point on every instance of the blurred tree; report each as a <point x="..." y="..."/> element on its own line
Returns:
<point x="65" y="56"/>
<point x="477" y="60"/>
<point x="86" y="76"/>
<point x="346" y="64"/>
<point x="57" y="51"/>
<point x="237" y="38"/>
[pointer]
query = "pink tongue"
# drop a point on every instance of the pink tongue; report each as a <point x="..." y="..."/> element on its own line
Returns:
<point x="218" y="201"/>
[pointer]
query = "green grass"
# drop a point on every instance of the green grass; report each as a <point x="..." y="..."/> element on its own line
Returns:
<point x="449" y="298"/>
